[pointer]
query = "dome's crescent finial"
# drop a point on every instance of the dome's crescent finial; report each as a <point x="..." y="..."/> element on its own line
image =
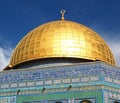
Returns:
<point x="62" y="13"/>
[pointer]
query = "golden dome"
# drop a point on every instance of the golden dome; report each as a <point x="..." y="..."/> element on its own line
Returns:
<point x="61" y="38"/>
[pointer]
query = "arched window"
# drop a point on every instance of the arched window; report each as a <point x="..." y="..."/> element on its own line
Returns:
<point x="116" y="102"/>
<point x="85" y="101"/>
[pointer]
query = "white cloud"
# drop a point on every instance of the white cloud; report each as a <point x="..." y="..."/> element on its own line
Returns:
<point x="115" y="47"/>
<point x="5" y="54"/>
<point x="112" y="39"/>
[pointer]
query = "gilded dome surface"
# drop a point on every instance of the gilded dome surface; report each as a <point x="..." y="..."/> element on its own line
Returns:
<point x="61" y="38"/>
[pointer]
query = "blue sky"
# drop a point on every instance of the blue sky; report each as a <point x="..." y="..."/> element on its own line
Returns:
<point x="18" y="17"/>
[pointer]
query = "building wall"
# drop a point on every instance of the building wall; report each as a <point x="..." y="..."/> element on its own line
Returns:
<point x="97" y="82"/>
<point x="67" y="97"/>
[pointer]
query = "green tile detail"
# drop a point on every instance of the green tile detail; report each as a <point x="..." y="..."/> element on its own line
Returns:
<point x="64" y="95"/>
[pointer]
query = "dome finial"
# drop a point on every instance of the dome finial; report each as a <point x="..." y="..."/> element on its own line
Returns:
<point x="62" y="13"/>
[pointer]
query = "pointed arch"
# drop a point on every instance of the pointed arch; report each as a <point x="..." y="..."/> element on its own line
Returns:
<point x="58" y="102"/>
<point x="85" y="101"/>
<point x="116" y="102"/>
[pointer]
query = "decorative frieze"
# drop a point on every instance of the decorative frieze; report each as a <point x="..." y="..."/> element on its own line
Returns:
<point x="58" y="81"/>
<point x="5" y="86"/>
<point x="75" y="80"/>
<point x="116" y="81"/>
<point x="13" y="85"/>
<point x="4" y="100"/>
<point x="94" y="78"/>
<point x="48" y="82"/>
<point x="12" y="99"/>
<point x="112" y="80"/>
<point x="84" y="79"/>
<point x="22" y="84"/>
<point x="30" y="83"/>
<point x="71" y="71"/>
<point x="106" y="99"/>
<point x="114" y="95"/>
<point x="61" y="81"/>
<point x="39" y="83"/>
<point x="8" y="99"/>
<point x="108" y="79"/>
<point x="66" y="80"/>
